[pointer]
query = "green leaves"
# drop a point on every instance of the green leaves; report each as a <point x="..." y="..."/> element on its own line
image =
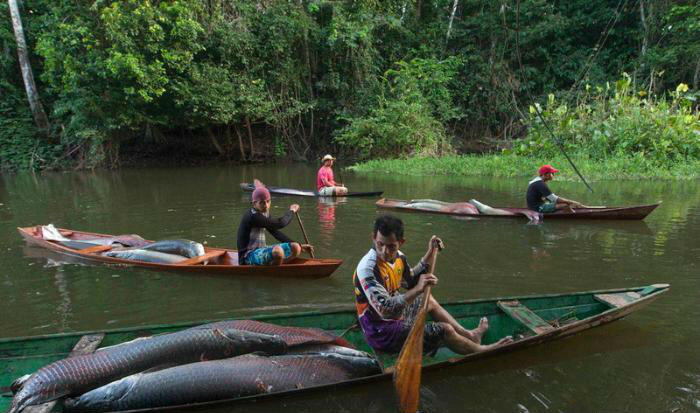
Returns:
<point x="378" y="77"/>
<point x="664" y="131"/>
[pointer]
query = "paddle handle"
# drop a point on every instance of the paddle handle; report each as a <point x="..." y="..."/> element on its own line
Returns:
<point x="303" y="231"/>
<point x="433" y="261"/>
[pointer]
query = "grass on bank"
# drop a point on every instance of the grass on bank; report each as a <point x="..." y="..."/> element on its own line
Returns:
<point x="632" y="167"/>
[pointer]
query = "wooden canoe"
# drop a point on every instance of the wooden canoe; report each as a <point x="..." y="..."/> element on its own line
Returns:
<point x="607" y="213"/>
<point x="220" y="260"/>
<point x="530" y="320"/>
<point x="248" y="187"/>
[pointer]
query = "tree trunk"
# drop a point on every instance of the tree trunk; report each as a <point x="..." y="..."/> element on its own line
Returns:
<point x="452" y="17"/>
<point x="240" y="142"/>
<point x="645" y="37"/>
<point x="42" y="122"/>
<point x="309" y="81"/>
<point x="696" y="77"/>
<point x="250" y="137"/>
<point x="215" y="142"/>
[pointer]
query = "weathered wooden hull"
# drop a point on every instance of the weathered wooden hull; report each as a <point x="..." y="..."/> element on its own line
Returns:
<point x="562" y="315"/>
<point x="611" y="213"/>
<point x="248" y="187"/>
<point x="226" y="263"/>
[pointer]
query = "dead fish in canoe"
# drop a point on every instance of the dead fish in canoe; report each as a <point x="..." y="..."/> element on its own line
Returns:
<point x="161" y="252"/>
<point x="223" y="379"/>
<point x="141" y="254"/>
<point x="184" y="247"/>
<point x="435" y="205"/>
<point x="327" y="349"/>
<point x="293" y="336"/>
<point x="76" y="375"/>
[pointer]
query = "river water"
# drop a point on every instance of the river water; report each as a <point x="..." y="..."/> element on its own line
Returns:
<point x="649" y="361"/>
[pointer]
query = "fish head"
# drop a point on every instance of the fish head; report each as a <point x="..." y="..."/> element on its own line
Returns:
<point x="17" y="384"/>
<point x="199" y="249"/>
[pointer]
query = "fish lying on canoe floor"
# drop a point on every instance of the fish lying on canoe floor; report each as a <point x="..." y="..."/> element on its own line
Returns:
<point x="165" y="252"/>
<point x="293" y="336"/>
<point x="76" y="375"/>
<point x="141" y="254"/>
<point x="184" y="247"/>
<point x="223" y="379"/>
<point x="327" y="348"/>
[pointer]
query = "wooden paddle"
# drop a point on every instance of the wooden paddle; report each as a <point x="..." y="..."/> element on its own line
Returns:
<point x="409" y="363"/>
<point x="303" y="231"/>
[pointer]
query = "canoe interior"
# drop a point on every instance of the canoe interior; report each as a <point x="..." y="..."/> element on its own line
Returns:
<point x="248" y="187"/>
<point x="566" y="314"/>
<point x="637" y="212"/>
<point x="225" y="261"/>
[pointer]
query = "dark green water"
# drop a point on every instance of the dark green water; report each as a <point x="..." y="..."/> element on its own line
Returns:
<point x="647" y="362"/>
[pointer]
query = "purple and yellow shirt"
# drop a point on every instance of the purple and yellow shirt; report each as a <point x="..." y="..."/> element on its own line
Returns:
<point x="377" y="299"/>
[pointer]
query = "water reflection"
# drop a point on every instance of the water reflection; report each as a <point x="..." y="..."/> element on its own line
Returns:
<point x="326" y="214"/>
<point x="64" y="308"/>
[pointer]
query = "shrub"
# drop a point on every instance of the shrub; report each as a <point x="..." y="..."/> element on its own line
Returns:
<point x="616" y="122"/>
<point x="409" y="117"/>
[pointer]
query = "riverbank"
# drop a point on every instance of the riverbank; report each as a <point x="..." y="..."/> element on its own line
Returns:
<point x="628" y="168"/>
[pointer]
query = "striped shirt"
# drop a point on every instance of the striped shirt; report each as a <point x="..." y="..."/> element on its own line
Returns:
<point x="378" y="301"/>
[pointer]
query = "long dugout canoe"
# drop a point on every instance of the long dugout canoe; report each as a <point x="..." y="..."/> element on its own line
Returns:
<point x="530" y="320"/>
<point x="215" y="260"/>
<point x="248" y="187"/>
<point x="637" y="212"/>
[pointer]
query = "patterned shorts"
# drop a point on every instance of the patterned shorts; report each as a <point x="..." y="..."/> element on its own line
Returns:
<point x="547" y="207"/>
<point x="433" y="333"/>
<point x="263" y="255"/>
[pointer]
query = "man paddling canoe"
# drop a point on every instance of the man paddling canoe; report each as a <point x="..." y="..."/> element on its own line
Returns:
<point x="541" y="199"/>
<point x="386" y="316"/>
<point x="252" y="249"/>
<point x="324" y="179"/>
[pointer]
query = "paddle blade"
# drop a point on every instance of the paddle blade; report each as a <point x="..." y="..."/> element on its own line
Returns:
<point x="408" y="367"/>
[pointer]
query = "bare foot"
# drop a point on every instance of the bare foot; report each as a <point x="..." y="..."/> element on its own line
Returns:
<point x="501" y="342"/>
<point x="478" y="332"/>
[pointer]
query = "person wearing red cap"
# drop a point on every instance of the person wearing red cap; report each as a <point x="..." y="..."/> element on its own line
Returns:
<point x="324" y="179"/>
<point x="252" y="248"/>
<point x="541" y="199"/>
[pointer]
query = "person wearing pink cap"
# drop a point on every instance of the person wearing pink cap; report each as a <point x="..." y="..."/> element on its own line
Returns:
<point x="252" y="248"/>
<point x="324" y="179"/>
<point x="541" y="199"/>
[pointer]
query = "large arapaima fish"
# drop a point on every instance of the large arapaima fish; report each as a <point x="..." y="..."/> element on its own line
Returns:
<point x="293" y="336"/>
<point x="223" y="379"/>
<point x="140" y="254"/>
<point x="76" y="375"/>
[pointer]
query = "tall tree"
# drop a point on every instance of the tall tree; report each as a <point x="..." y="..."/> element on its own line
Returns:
<point x="42" y="122"/>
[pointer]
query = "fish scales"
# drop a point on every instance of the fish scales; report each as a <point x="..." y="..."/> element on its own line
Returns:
<point x="76" y="375"/>
<point x="221" y="380"/>
<point x="293" y="336"/>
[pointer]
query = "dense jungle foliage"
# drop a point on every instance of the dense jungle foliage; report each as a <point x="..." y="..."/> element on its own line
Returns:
<point x="268" y="79"/>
